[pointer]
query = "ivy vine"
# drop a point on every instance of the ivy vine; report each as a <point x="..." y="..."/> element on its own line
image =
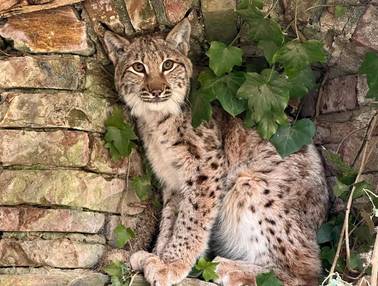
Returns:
<point x="261" y="98"/>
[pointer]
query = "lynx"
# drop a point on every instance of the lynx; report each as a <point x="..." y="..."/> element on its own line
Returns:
<point x="227" y="192"/>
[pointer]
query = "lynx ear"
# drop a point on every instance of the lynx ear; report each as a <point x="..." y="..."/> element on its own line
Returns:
<point x="115" y="45"/>
<point x="179" y="37"/>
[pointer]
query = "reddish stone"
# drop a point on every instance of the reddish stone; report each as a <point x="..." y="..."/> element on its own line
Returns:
<point x="366" y="33"/>
<point x="142" y="15"/>
<point x="101" y="161"/>
<point x="176" y="9"/>
<point x="58" y="148"/>
<point x="333" y="127"/>
<point x="42" y="32"/>
<point x="57" y="220"/>
<point x="339" y="94"/>
<point x="104" y="11"/>
<point x="7" y="4"/>
<point x="62" y="253"/>
<point x="56" y="72"/>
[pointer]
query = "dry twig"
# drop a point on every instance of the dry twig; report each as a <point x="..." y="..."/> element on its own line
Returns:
<point x="374" y="263"/>
<point x="345" y="228"/>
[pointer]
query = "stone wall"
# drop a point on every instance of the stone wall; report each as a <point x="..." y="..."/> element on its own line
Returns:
<point x="60" y="194"/>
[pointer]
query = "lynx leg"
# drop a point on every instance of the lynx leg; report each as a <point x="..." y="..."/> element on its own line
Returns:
<point x="237" y="273"/>
<point x="168" y="219"/>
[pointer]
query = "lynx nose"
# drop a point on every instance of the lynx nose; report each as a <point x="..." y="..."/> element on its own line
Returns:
<point x="156" y="92"/>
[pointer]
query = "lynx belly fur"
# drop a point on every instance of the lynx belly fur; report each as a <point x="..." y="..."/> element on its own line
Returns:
<point x="226" y="190"/>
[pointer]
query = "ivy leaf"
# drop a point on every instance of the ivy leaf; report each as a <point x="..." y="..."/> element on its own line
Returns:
<point x="119" y="273"/>
<point x="360" y="188"/>
<point x="290" y="139"/>
<point x="340" y="188"/>
<point x="324" y="233"/>
<point x="223" y="58"/>
<point x="295" y="56"/>
<point x="302" y="83"/>
<point x="327" y="254"/>
<point x="248" y="8"/>
<point x="355" y="262"/>
<point x="369" y="67"/>
<point x="114" y="269"/>
<point x="268" y="279"/>
<point x="260" y="28"/>
<point x="119" y="135"/>
<point x="142" y="186"/>
<point x="224" y="89"/>
<point x="340" y="11"/>
<point x="246" y="4"/>
<point x="207" y="268"/>
<point x="346" y="174"/>
<point x="269" y="49"/>
<point x="201" y="107"/>
<point x="267" y="94"/>
<point x="122" y="235"/>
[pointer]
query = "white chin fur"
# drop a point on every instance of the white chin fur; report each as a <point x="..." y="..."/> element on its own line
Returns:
<point x="140" y="108"/>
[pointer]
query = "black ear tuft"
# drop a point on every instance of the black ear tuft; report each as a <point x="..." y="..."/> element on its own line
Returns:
<point x="179" y="37"/>
<point x="115" y="45"/>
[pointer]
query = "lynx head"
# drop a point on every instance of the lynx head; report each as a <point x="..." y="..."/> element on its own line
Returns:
<point x="152" y="74"/>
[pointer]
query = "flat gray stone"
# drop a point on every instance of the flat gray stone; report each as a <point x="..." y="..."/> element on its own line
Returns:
<point x="71" y="110"/>
<point x="61" y="187"/>
<point x="61" y="253"/>
<point x="57" y="148"/>
<point x="52" y="220"/>
<point x="51" y="277"/>
<point x="56" y="72"/>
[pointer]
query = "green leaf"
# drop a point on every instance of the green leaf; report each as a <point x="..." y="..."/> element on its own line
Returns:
<point x="302" y="83"/>
<point x="340" y="11"/>
<point x="119" y="135"/>
<point x="250" y="8"/>
<point x="114" y="269"/>
<point x="123" y="235"/>
<point x="268" y="279"/>
<point x="360" y="188"/>
<point x="290" y="139"/>
<point x="346" y="174"/>
<point x="119" y="273"/>
<point x="224" y="89"/>
<point x="269" y="49"/>
<point x="339" y="188"/>
<point x="260" y="27"/>
<point x="324" y="233"/>
<point x="246" y="4"/>
<point x="295" y="55"/>
<point x="201" y="107"/>
<point x="207" y="268"/>
<point x="223" y="58"/>
<point x="267" y="94"/>
<point x="142" y="186"/>
<point x="327" y="254"/>
<point x="369" y="67"/>
<point x="355" y="262"/>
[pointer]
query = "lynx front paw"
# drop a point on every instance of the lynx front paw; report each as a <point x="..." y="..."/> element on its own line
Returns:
<point x="230" y="275"/>
<point x="156" y="271"/>
<point x="138" y="259"/>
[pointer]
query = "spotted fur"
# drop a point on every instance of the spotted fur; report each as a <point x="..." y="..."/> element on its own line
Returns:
<point x="226" y="190"/>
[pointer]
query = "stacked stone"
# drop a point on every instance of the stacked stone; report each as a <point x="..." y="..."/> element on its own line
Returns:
<point x="345" y="110"/>
<point x="61" y="196"/>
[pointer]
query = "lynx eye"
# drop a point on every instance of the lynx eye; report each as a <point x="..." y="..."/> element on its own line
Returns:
<point x="167" y="65"/>
<point x="139" y="67"/>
